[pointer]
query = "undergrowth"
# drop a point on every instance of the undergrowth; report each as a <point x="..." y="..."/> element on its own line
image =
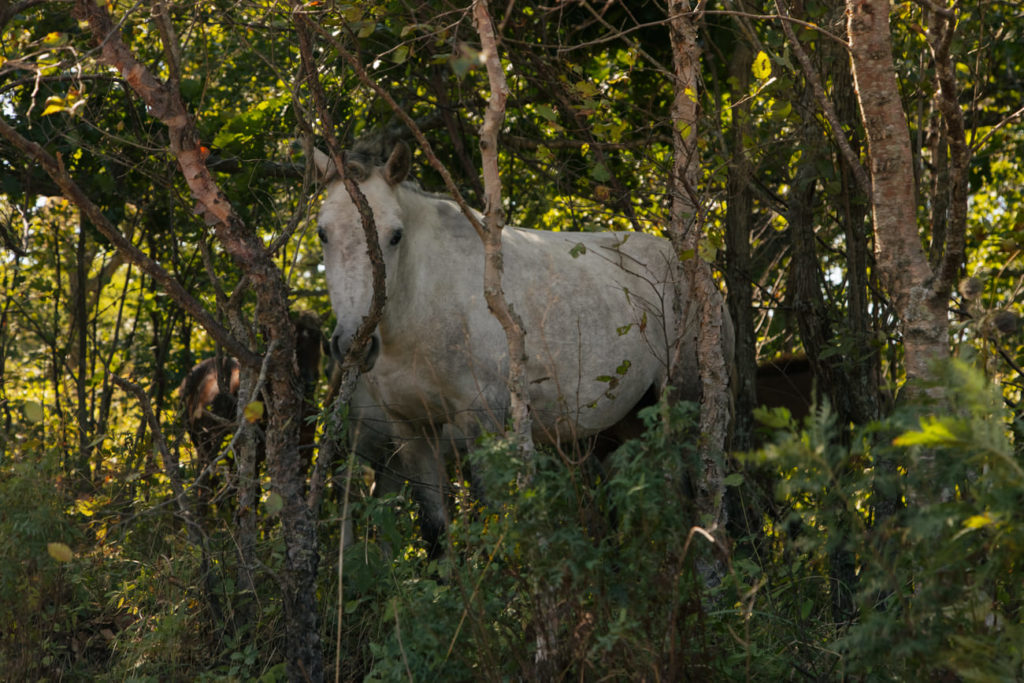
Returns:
<point x="887" y="552"/>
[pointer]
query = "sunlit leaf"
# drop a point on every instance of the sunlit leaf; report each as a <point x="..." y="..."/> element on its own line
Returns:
<point x="54" y="105"/>
<point x="60" y="552"/>
<point x="762" y="66"/>
<point x="934" y="432"/>
<point x="978" y="521"/>
<point x="253" y="412"/>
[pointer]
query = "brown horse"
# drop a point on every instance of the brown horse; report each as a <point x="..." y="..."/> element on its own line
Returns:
<point x="787" y="381"/>
<point x="209" y="394"/>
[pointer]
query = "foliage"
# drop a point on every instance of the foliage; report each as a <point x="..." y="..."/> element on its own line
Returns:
<point x="607" y="556"/>
<point x="598" y="559"/>
<point x="936" y="588"/>
<point x="873" y="559"/>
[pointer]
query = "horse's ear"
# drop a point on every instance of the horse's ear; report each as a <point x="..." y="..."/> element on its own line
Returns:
<point x="397" y="166"/>
<point x="324" y="165"/>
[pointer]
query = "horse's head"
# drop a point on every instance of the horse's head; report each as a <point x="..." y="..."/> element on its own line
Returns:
<point x="346" y="261"/>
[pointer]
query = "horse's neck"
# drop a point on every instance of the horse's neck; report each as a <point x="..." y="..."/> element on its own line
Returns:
<point x="441" y="265"/>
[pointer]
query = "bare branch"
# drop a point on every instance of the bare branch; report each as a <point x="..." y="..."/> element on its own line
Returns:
<point x="373" y="316"/>
<point x="1001" y="124"/>
<point x="424" y="144"/>
<point x="174" y="289"/>
<point x="835" y="125"/>
<point x="494" y="292"/>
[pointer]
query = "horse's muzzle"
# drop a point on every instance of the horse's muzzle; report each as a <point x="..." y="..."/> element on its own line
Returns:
<point x="366" y="358"/>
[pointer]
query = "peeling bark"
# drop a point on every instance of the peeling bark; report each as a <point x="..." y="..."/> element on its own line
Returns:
<point x="918" y="294"/>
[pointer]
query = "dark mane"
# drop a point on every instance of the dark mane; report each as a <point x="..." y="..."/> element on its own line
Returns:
<point x="373" y="147"/>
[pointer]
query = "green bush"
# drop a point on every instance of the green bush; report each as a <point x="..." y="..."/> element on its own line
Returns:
<point x="909" y="534"/>
<point x="42" y="602"/>
<point x="890" y="552"/>
<point x="595" y="556"/>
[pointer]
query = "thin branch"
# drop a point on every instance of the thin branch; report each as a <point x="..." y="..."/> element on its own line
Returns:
<point x="1008" y="120"/>
<point x="428" y="151"/>
<point x="170" y="459"/>
<point x="55" y="169"/>
<point x="312" y="78"/>
<point x="784" y="19"/>
<point x="494" y="292"/>
<point x="169" y="38"/>
<point x="859" y="173"/>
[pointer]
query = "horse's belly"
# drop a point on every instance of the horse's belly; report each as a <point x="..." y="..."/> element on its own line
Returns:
<point x="579" y="411"/>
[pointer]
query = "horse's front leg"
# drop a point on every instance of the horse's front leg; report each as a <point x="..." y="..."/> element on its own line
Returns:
<point x="421" y="460"/>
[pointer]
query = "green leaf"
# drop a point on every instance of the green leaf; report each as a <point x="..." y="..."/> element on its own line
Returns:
<point x="780" y="109"/>
<point x="600" y="173"/>
<point x="734" y="479"/>
<point x="775" y="418"/>
<point x="273" y="504"/>
<point x="33" y="411"/>
<point x="546" y="112"/>
<point x="935" y="431"/>
<point x="400" y="54"/>
<point x="578" y="248"/>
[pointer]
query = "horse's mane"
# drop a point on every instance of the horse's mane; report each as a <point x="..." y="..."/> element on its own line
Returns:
<point x="372" y="149"/>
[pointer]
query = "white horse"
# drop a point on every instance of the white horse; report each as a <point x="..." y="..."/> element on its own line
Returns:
<point x="597" y="307"/>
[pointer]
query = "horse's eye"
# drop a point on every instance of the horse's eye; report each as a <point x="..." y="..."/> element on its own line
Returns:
<point x="322" y="234"/>
<point x="396" y="237"/>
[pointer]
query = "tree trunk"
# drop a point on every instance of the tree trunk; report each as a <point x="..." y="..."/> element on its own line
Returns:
<point x="281" y="394"/>
<point x="738" y="271"/>
<point x="919" y="296"/>
<point x="705" y="299"/>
